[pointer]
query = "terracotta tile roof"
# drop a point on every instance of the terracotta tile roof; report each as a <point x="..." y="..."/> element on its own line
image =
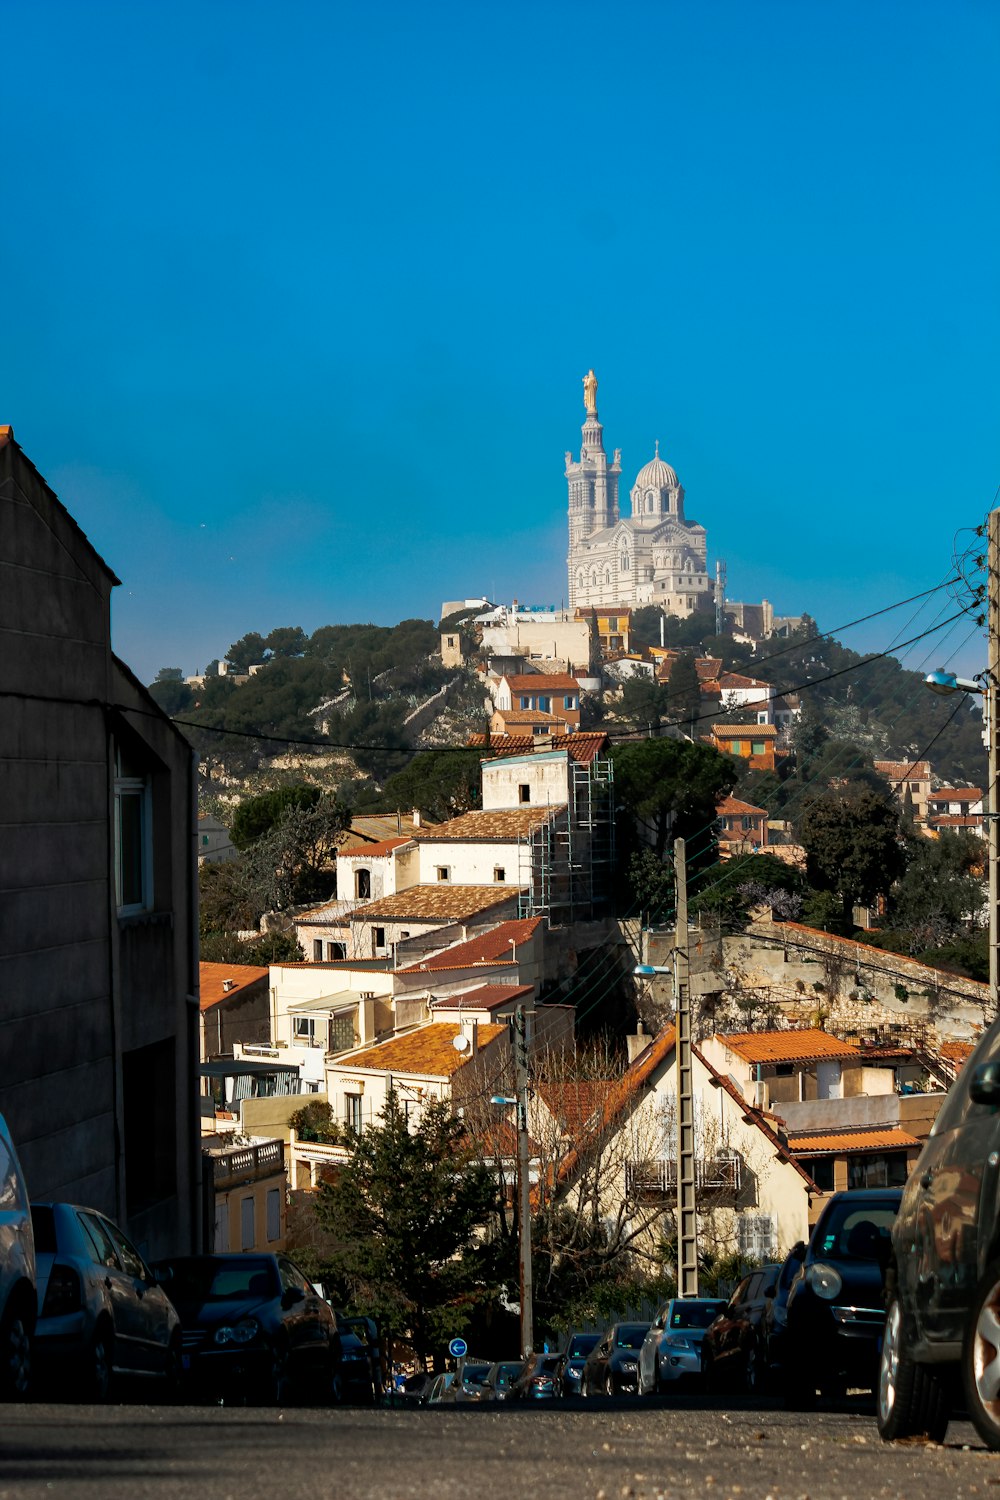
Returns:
<point x="787" y="1046"/>
<point x="489" y="949"/>
<point x="574" y="1102"/>
<point x="214" y="979"/>
<point x="375" y="828"/>
<point x="744" y="731"/>
<point x="544" y="682"/>
<point x="956" y="1052"/>
<point x="429" y="1051"/>
<point x="956" y="820"/>
<point x="955" y="794"/>
<point x="376" y="851"/>
<point x="443" y="901"/>
<point x="904" y="770"/>
<point x="583" y="747"/>
<point x="628" y="1087"/>
<point x="484" y="997"/>
<point x="852" y="1140"/>
<point x="518" y="718"/>
<point x="501" y="824"/>
<point x="707" y="667"/>
<point x="735" y="680"/>
<point x="499" y="1140"/>
<point x="731" y="807"/>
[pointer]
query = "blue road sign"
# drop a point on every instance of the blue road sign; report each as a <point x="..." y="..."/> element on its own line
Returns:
<point x="457" y="1348"/>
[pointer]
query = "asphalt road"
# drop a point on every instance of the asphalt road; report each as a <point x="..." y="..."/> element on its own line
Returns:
<point x="623" y="1450"/>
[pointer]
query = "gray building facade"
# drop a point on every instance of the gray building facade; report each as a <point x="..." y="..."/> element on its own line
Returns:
<point x="98" y="891"/>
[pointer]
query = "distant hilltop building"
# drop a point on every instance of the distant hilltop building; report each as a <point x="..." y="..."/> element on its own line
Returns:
<point x="655" y="555"/>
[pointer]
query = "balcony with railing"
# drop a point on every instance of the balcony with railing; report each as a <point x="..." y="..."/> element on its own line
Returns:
<point x="718" y="1177"/>
<point x="236" y="1166"/>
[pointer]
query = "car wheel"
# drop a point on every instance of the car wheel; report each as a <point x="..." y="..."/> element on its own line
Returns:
<point x="15" y="1356"/>
<point x="981" y="1359"/>
<point x="755" y="1374"/>
<point x="98" y="1369"/>
<point x="273" y="1389"/>
<point x="911" y="1398"/>
<point x="173" y="1369"/>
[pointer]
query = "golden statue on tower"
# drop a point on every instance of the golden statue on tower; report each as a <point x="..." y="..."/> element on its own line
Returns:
<point x="590" y="393"/>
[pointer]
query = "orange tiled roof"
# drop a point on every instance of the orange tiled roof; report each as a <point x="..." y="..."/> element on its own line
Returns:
<point x="955" y="794"/>
<point x="443" y="901"/>
<point x="375" y="851"/>
<point x="904" y="770"/>
<point x="484" y="997"/>
<point x="514" y="718"/>
<point x="213" y="979"/>
<point x="957" y="1052"/>
<point x="956" y="820"/>
<point x="583" y="747"/>
<point x="574" y="1102"/>
<point x="852" y="1140"/>
<point x="787" y="1046"/>
<point x="429" y="1051"/>
<point x="731" y="807"/>
<point x="735" y="680"/>
<point x="498" y="946"/>
<point x="503" y="824"/>
<point x="544" y="682"/>
<point x="744" y="731"/>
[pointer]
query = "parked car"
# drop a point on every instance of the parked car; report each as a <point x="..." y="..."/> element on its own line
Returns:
<point x="416" y="1387"/>
<point x="440" y="1389"/>
<point x="942" y="1330"/>
<point x="671" y="1350"/>
<point x="355" y="1370"/>
<point x="612" y="1367"/>
<point x="470" y="1375"/>
<point x="569" y="1370"/>
<point x="365" y="1330"/>
<point x="18" y="1299"/>
<point x="775" y="1323"/>
<point x="732" y="1354"/>
<point x="101" y="1313"/>
<point x="500" y="1378"/>
<point x="536" y="1379"/>
<point x="254" y="1325"/>
<point x="836" y="1309"/>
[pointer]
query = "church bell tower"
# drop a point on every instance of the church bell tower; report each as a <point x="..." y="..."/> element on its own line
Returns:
<point x="592" y="483"/>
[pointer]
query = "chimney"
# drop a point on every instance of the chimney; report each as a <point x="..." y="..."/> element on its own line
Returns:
<point x="637" y="1043"/>
<point x="416" y="817"/>
<point x="229" y="984"/>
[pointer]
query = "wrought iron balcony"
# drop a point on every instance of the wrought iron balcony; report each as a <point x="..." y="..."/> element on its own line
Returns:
<point x="718" y="1176"/>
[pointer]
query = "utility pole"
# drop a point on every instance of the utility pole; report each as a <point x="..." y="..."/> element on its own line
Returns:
<point x="687" y="1219"/>
<point x="990" y="705"/>
<point x="523" y="1178"/>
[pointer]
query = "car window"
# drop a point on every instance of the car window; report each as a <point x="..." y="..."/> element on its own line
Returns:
<point x="98" y="1241"/>
<point x="581" y="1345"/>
<point x="958" y="1106"/>
<point x="695" y="1314"/>
<point x="292" y="1276"/>
<point x="754" y="1287"/>
<point x="856" y="1231"/>
<point x="631" y="1335"/>
<point x="739" y="1293"/>
<point x="11" y="1187"/>
<point x="132" y="1262"/>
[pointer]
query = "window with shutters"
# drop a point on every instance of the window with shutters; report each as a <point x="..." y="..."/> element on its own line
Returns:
<point x="758" y="1237"/>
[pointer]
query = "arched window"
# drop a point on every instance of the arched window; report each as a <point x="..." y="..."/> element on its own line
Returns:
<point x="624" y="562"/>
<point x="607" y="576"/>
<point x="649" y="504"/>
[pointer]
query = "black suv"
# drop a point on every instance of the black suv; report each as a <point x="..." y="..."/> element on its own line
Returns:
<point x="943" y="1291"/>
<point x="836" y="1310"/>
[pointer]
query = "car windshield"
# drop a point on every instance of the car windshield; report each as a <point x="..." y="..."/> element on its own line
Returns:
<point x="694" y="1314"/>
<point x="546" y="1363"/>
<point x="581" y="1345"/>
<point x="854" y="1230"/>
<point x="631" y="1335"/>
<point x="210" y="1280"/>
<point x="475" y="1374"/>
<point x="506" y="1374"/>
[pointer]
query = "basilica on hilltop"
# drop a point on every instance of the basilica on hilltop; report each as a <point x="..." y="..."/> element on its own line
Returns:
<point x="654" y="555"/>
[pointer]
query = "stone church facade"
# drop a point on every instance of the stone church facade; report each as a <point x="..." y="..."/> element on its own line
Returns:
<point x="652" y="556"/>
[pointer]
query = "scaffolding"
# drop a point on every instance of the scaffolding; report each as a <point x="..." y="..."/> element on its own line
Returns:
<point x="571" y="855"/>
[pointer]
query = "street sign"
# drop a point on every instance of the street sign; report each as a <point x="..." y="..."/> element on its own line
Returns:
<point x="457" y="1348"/>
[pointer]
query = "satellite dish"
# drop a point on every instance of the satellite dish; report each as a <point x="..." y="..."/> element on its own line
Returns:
<point x="461" y="1042"/>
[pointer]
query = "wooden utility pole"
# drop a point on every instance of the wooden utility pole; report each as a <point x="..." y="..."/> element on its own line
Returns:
<point x="991" y="703"/>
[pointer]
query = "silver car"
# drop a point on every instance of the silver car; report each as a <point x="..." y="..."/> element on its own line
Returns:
<point x="17" y="1275"/>
<point x="671" y="1350"/>
<point x="100" y="1312"/>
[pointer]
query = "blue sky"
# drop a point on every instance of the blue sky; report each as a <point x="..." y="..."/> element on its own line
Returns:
<point x="298" y="298"/>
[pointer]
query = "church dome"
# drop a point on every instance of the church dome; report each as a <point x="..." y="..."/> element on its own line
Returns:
<point x="656" y="475"/>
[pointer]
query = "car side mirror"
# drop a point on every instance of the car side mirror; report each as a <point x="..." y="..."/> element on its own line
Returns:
<point x="798" y="1251"/>
<point x="985" y="1087"/>
<point x="291" y="1295"/>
